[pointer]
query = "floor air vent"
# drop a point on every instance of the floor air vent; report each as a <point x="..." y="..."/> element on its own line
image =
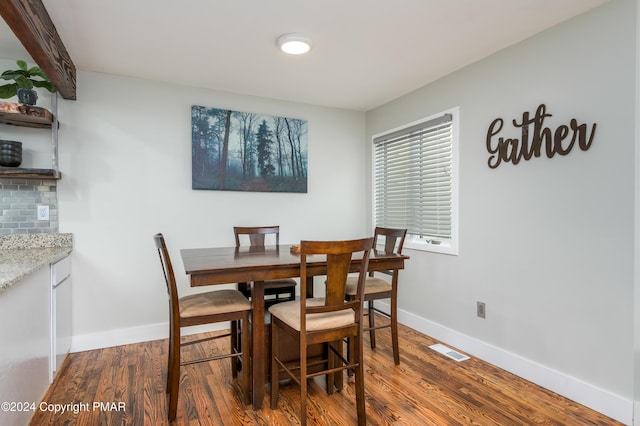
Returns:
<point x="454" y="355"/>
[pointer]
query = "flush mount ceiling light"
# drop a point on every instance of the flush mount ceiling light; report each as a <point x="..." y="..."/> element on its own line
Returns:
<point x="294" y="44"/>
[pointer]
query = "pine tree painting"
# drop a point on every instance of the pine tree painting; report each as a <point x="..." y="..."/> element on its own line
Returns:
<point x="242" y="151"/>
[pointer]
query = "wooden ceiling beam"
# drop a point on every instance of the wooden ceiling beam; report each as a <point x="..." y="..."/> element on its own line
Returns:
<point x="31" y="23"/>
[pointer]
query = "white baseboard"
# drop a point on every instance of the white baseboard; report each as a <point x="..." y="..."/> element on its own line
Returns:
<point x="597" y="399"/>
<point x="125" y="336"/>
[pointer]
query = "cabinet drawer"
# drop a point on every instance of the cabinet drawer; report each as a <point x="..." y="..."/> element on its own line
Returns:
<point x="60" y="270"/>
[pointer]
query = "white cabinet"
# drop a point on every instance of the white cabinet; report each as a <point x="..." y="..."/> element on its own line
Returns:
<point x="60" y="314"/>
<point x="25" y="343"/>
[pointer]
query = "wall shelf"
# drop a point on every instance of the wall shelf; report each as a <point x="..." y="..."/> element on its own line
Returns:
<point x="17" y="172"/>
<point x="22" y="115"/>
<point x="25" y="115"/>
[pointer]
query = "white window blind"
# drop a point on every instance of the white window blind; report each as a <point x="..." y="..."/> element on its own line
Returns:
<point x="413" y="184"/>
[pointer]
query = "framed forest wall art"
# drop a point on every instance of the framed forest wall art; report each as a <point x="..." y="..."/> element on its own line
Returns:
<point x="244" y="151"/>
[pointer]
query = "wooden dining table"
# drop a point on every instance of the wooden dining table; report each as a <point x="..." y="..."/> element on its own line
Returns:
<point x="225" y="265"/>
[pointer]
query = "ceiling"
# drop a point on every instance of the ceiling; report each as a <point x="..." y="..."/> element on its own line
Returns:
<point x="365" y="52"/>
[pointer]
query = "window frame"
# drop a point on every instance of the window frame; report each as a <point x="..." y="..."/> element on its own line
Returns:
<point x="413" y="241"/>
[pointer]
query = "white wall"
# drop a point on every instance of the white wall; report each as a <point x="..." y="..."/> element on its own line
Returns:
<point x="547" y="244"/>
<point x="125" y="158"/>
<point x="636" y="304"/>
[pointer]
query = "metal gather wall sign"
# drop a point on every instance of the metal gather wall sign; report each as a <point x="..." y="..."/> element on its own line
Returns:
<point x="559" y="141"/>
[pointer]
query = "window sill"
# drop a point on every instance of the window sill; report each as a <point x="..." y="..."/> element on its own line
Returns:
<point x="433" y="248"/>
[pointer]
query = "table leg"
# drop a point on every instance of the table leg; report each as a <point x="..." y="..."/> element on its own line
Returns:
<point x="309" y="289"/>
<point x="258" y="344"/>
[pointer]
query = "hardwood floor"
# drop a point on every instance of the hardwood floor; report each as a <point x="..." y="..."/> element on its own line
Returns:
<point x="427" y="388"/>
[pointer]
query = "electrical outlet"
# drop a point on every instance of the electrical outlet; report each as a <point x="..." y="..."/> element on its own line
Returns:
<point x="43" y="212"/>
<point x="481" y="310"/>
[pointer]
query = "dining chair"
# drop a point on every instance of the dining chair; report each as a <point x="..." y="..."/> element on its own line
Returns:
<point x="202" y="308"/>
<point x="376" y="288"/>
<point x="323" y="320"/>
<point x="277" y="290"/>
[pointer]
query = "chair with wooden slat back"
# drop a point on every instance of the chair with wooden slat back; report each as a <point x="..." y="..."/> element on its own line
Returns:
<point x="376" y="288"/>
<point x="202" y="308"/>
<point x="277" y="290"/>
<point x="324" y="320"/>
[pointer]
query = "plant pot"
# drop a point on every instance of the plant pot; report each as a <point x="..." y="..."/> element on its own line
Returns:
<point x="27" y="96"/>
<point x="10" y="153"/>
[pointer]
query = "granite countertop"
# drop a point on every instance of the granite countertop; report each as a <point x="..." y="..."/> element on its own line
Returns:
<point x="21" y="255"/>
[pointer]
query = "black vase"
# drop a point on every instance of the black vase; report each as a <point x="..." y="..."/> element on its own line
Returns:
<point x="10" y="153"/>
<point x="27" y="96"/>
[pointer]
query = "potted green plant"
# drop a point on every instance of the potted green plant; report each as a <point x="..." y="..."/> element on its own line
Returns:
<point x="25" y="79"/>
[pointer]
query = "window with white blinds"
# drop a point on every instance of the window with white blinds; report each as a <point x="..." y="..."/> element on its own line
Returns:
<point x="414" y="182"/>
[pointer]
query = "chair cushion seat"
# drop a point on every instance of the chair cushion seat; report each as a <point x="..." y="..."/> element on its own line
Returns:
<point x="213" y="302"/>
<point x="289" y="313"/>
<point x="371" y="285"/>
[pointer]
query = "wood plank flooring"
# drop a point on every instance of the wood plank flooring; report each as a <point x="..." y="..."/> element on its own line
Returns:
<point x="427" y="388"/>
